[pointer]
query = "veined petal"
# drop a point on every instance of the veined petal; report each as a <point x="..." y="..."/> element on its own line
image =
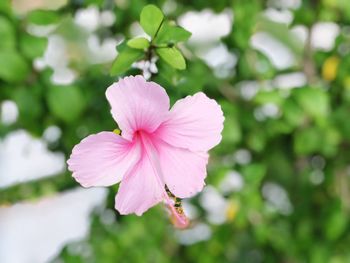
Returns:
<point x="139" y="190"/>
<point x="195" y="123"/>
<point x="102" y="159"/>
<point x="137" y="105"/>
<point x="184" y="171"/>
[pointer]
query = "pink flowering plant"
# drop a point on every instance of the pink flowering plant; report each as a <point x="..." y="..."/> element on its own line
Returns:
<point x="160" y="156"/>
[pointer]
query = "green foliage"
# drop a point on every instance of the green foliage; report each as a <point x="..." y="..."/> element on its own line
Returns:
<point x="151" y="18"/>
<point x="66" y="102"/>
<point x="13" y="67"/>
<point x="125" y="58"/>
<point x="138" y="43"/>
<point x="7" y="34"/>
<point x="173" y="34"/>
<point x="32" y="47"/>
<point x="164" y="35"/>
<point x="43" y="17"/>
<point x="288" y="144"/>
<point x="172" y="56"/>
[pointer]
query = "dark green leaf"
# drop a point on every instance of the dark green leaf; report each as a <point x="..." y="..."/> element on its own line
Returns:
<point x="172" y="56"/>
<point x="151" y="19"/>
<point x="124" y="59"/>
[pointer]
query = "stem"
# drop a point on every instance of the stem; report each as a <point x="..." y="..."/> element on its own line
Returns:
<point x="151" y="48"/>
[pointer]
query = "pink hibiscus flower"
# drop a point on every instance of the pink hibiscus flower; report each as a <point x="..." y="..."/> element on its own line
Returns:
<point x="161" y="155"/>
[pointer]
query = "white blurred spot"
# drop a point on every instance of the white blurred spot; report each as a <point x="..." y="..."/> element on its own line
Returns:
<point x="55" y="54"/>
<point x="40" y="31"/>
<point x="232" y="182"/>
<point x="101" y="52"/>
<point x="324" y="35"/>
<point x="137" y="31"/>
<point x="108" y="217"/>
<point x="270" y="110"/>
<point x="214" y="204"/>
<point x="36" y="232"/>
<point x="107" y="18"/>
<point x="277" y="198"/>
<point x="200" y="232"/>
<point x="24" y="158"/>
<point x="87" y="18"/>
<point x="56" y="57"/>
<point x="148" y="67"/>
<point x="290" y="80"/>
<point x="280" y="16"/>
<point x="169" y="7"/>
<point x="218" y="58"/>
<point x="316" y="177"/>
<point x="292" y="4"/>
<point x="248" y="89"/>
<point x="243" y="156"/>
<point x="301" y="32"/>
<point x="206" y="26"/>
<point x="91" y="18"/>
<point x="52" y="134"/>
<point x="63" y="76"/>
<point x="9" y="112"/>
<point x="280" y="56"/>
<point x="190" y="210"/>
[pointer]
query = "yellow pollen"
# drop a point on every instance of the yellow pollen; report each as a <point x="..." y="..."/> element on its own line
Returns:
<point x="116" y="131"/>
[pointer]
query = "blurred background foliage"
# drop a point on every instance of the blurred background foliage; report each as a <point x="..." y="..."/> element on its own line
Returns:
<point x="278" y="184"/>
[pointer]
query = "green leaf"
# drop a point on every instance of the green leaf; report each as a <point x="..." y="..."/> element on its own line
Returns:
<point x="138" y="43"/>
<point x="336" y="224"/>
<point x="32" y="46"/>
<point x="29" y="104"/>
<point x="314" y="101"/>
<point x="13" y="67"/>
<point x="172" y="56"/>
<point x="7" y="34"/>
<point x="308" y="141"/>
<point x="172" y="34"/>
<point x="43" y="17"/>
<point x="151" y="19"/>
<point x="125" y="58"/>
<point x="5" y="6"/>
<point x="66" y="102"/>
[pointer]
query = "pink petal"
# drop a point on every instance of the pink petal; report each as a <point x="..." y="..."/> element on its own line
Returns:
<point x="139" y="190"/>
<point x="102" y="159"/>
<point x="137" y="105"/>
<point x="184" y="171"/>
<point x="195" y="123"/>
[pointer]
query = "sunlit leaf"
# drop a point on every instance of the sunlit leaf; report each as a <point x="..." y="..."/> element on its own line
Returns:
<point x="172" y="34"/>
<point x="151" y="19"/>
<point x="172" y="56"/>
<point x="138" y="43"/>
